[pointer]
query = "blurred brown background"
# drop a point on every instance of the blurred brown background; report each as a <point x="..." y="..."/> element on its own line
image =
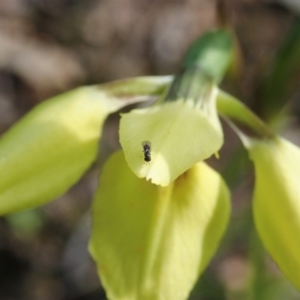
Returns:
<point x="51" y="46"/>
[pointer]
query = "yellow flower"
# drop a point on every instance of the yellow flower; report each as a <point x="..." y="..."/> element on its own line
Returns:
<point x="152" y="242"/>
<point x="181" y="132"/>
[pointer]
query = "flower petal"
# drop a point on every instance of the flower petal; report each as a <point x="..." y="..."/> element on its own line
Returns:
<point x="151" y="242"/>
<point x="48" y="150"/>
<point x="180" y="136"/>
<point x="277" y="202"/>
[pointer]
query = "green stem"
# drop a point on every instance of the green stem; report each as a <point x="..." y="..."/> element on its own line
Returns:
<point x="241" y="116"/>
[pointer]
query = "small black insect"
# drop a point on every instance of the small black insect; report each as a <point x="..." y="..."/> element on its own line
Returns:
<point x="147" y="151"/>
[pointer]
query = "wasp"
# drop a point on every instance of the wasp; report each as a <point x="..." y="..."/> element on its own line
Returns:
<point x="147" y="151"/>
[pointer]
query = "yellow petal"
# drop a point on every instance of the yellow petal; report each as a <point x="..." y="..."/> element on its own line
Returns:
<point x="48" y="150"/>
<point x="180" y="136"/>
<point x="150" y="242"/>
<point x="277" y="202"/>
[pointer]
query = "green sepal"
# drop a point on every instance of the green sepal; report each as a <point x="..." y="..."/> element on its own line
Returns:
<point x="212" y="53"/>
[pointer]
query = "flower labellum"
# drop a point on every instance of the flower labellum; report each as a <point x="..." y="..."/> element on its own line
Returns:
<point x="152" y="242"/>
